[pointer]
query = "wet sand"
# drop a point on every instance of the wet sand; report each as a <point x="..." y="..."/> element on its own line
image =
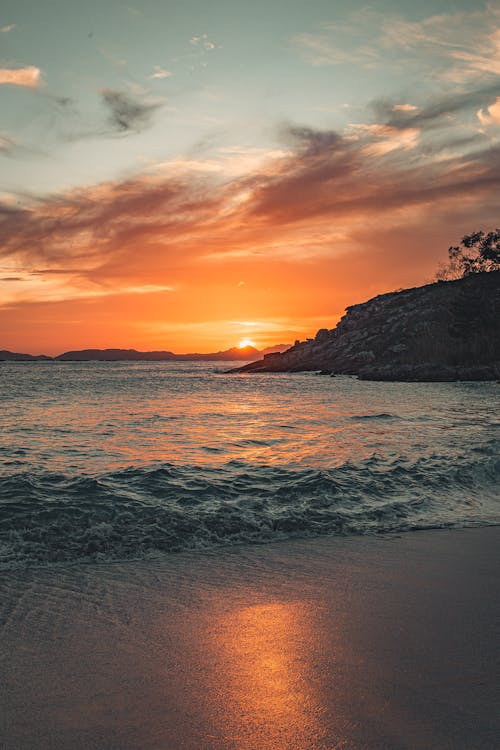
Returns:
<point x="355" y="643"/>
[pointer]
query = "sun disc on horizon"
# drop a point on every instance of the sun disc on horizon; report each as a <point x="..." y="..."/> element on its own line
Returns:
<point x="246" y="342"/>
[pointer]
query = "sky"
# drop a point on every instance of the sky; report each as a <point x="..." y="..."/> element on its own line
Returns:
<point x="183" y="176"/>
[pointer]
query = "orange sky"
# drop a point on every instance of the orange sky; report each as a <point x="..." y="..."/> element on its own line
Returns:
<point x="169" y="206"/>
<point x="186" y="262"/>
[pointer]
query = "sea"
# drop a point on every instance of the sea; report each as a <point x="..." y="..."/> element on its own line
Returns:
<point x="107" y="461"/>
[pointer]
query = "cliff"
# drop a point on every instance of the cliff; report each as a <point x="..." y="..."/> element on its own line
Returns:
<point x="439" y="332"/>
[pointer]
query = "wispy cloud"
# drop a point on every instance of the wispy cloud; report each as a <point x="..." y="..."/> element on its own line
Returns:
<point x="7" y="145"/>
<point x="127" y="112"/>
<point x="314" y="198"/>
<point x="486" y="59"/>
<point x="386" y="138"/>
<point x="439" y="110"/>
<point x="203" y="41"/>
<point x="457" y="46"/>
<point x="461" y="44"/>
<point x="160" y="72"/>
<point x="321" y="49"/>
<point x="55" y="285"/>
<point x="29" y="76"/>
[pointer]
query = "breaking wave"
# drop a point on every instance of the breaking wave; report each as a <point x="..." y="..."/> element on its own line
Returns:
<point x="138" y="512"/>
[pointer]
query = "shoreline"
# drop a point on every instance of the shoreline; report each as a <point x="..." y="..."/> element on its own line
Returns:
<point x="350" y="642"/>
<point x="216" y="550"/>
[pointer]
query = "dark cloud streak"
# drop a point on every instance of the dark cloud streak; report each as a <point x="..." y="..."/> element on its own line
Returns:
<point x="128" y="113"/>
<point x="437" y="110"/>
<point x="311" y="142"/>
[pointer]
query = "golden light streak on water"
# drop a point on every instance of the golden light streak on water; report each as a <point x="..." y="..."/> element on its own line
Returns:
<point x="266" y="651"/>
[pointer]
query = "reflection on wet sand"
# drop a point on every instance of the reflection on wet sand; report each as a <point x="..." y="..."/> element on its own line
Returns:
<point x="271" y="701"/>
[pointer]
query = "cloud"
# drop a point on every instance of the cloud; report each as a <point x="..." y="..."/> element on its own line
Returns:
<point x="310" y="141"/>
<point x="486" y="59"/>
<point x="490" y="115"/>
<point x="54" y="285"/>
<point x="128" y="113"/>
<point x="336" y="182"/>
<point x="404" y="108"/>
<point x="204" y="42"/>
<point x="160" y="72"/>
<point x="437" y="111"/>
<point x="387" y="138"/>
<point x="29" y="77"/>
<point x="7" y="145"/>
<point x="313" y="199"/>
<point x="321" y="50"/>
<point x="437" y="30"/>
<point x="456" y="46"/>
<point x="7" y="28"/>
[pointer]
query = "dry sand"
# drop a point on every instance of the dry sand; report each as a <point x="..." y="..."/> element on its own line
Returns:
<point x="349" y="643"/>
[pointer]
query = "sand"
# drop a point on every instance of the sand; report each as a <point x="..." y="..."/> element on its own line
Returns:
<point x="348" y="643"/>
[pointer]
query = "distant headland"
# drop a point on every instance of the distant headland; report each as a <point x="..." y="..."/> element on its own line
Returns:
<point x="445" y="331"/>
<point x="243" y="354"/>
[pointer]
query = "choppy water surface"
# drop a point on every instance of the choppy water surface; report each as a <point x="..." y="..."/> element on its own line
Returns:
<point x="117" y="460"/>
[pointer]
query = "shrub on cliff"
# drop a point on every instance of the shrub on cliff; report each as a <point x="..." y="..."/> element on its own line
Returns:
<point x="478" y="252"/>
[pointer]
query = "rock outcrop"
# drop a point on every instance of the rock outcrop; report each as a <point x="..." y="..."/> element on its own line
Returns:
<point x="439" y="332"/>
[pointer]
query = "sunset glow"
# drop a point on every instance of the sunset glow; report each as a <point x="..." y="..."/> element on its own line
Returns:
<point x="366" y="144"/>
<point x="246" y="342"/>
<point x="249" y="354"/>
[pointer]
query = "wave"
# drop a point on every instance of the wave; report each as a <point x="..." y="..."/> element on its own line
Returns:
<point x="384" y="415"/>
<point x="143" y="511"/>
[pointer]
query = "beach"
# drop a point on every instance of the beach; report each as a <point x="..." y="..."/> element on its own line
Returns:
<point x="356" y="643"/>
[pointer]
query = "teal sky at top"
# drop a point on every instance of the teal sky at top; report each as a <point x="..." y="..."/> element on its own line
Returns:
<point x="231" y="88"/>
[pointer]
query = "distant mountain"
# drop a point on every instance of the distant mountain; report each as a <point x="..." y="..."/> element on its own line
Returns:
<point x="6" y="356"/>
<point x="114" y="355"/>
<point x="130" y="355"/>
<point x="446" y="331"/>
<point x="242" y="354"/>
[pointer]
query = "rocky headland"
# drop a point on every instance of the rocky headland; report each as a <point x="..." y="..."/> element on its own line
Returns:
<point x="445" y="331"/>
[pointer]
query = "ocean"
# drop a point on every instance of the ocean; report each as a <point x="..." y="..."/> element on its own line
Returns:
<point x="114" y="461"/>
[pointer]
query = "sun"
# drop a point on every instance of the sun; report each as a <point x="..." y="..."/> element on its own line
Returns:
<point x="246" y="342"/>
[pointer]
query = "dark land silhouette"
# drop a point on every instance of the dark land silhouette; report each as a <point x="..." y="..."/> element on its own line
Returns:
<point x="445" y="331"/>
<point x="131" y="355"/>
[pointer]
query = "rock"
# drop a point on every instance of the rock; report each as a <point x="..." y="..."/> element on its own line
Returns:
<point x="444" y="331"/>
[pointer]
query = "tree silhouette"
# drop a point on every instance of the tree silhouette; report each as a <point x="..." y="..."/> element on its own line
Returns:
<point x="478" y="252"/>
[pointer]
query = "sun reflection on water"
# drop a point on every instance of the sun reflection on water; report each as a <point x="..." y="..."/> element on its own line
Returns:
<point x="271" y="700"/>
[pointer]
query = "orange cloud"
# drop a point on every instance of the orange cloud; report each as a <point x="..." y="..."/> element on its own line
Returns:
<point x="490" y="115"/>
<point x="29" y="77"/>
